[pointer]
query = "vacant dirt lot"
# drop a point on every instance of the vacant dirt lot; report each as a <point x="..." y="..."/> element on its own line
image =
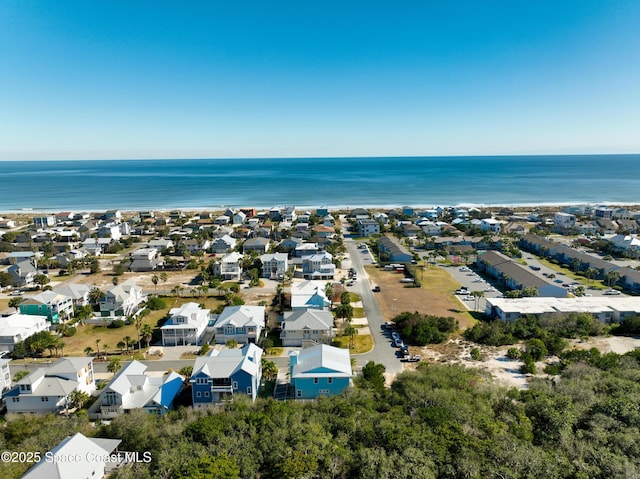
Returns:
<point x="434" y="297"/>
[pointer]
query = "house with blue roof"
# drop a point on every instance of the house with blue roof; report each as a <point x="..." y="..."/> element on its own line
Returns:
<point x="132" y="389"/>
<point x="223" y="374"/>
<point x="319" y="371"/>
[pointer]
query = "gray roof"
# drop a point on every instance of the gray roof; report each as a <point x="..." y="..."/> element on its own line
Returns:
<point x="323" y="361"/>
<point x="77" y="446"/>
<point x="313" y="319"/>
<point x="69" y="365"/>
<point x="229" y="361"/>
<point x="241" y="316"/>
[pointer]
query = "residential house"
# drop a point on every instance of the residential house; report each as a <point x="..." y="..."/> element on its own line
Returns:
<point x="5" y="375"/>
<point x="410" y="230"/>
<point x="195" y="246"/>
<point x="145" y="259"/>
<point x="238" y="218"/>
<point x="367" y="227"/>
<point x="229" y="267"/>
<point x="223" y="244"/>
<point x="289" y="245"/>
<point x="603" y="212"/>
<point x="93" y="458"/>
<point x="324" y="231"/>
<point x="244" y="324"/>
<point x="186" y="325"/>
<point x="161" y="244"/>
<point x="318" y="266"/>
<point x="274" y="265"/>
<point x="627" y="244"/>
<point x="133" y="388"/>
<point x="258" y="244"/>
<point x="112" y="216"/>
<point x="306" y="327"/>
<point x="309" y="294"/>
<point x="564" y="221"/>
<point x="322" y="212"/>
<point x="7" y="223"/>
<point x="122" y="300"/>
<point x="491" y="225"/>
<point x="79" y="293"/>
<point x="47" y="390"/>
<point x="223" y="374"/>
<point x="306" y="249"/>
<point x="44" y="222"/>
<point x="321" y="370"/>
<point x="23" y="273"/>
<point x="55" y="306"/>
<point x="18" y="327"/>
<point x="110" y="230"/>
<point x="288" y="214"/>
<point x="222" y="220"/>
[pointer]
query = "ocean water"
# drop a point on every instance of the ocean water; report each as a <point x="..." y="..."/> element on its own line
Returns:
<point x="308" y="182"/>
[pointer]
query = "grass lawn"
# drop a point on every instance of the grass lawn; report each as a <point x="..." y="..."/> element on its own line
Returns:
<point x="87" y="335"/>
<point x="587" y="283"/>
<point x="354" y="298"/>
<point x="358" y="313"/>
<point x="434" y="297"/>
<point x="4" y="304"/>
<point x="362" y="344"/>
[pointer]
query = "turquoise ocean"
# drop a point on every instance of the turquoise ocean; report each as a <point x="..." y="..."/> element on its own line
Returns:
<point x="311" y="182"/>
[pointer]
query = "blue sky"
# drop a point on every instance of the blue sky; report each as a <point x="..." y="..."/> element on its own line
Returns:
<point x="154" y="79"/>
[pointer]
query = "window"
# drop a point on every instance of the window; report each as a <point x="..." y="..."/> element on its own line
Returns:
<point x="198" y="394"/>
<point x="299" y="393"/>
<point x="15" y="399"/>
<point x="44" y="399"/>
<point x="249" y="390"/>
<point x="315" y="380"/>
<point x="206" y="394"/>
<point x="201" y="381"/>
<point x="329" y="380"/>
<point x="235" y="384"/>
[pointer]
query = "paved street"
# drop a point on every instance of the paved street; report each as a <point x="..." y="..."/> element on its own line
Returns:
<point x="382" y="351"/>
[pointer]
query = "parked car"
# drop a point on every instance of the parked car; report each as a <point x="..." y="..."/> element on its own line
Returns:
<point x="398" y="343"/>
<point x="376" y="289"/>
<point x="612" y="292"/>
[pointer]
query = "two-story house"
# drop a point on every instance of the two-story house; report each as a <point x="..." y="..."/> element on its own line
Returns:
<point x="243" y="324"/>
<point x="306" y="327"/>
<point x="186" y="325"/>
<point x="229" y="267"/>
<point x="47" y="390"/>
<point x="55" y="306"/>
<point x="122" y="300"/>
<point x="18" y="327"/>
<point x="318" y="266"/>
<point x="220" y="375"/>
<point x="319" y="371"/>
<point x="132" y="388"/>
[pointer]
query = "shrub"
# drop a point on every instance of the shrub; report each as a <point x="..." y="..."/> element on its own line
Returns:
<point x="529" y="366"/>
<point x="116" y="323"/>
<point x="70" y="331"/>
<point x="514" y="353"/>
<point x="475" y="354"/>
<point x="155" y="303"/>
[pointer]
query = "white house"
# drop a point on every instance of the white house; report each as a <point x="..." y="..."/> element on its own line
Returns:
<point x="274" y="265"/>
<point x="48" y="390"/>
<point x="565" y="221"/>
<point x="491" y="224"/>
<point x="79" y="293"/>
<point x="367" y="227"/>
<point x="133" y="389"/>
<point x="229" y="267"/>
<point x="122" y="300"/>
<point x="18" y="327"/>
<point x="306" y="327"/>
<point x="185" y="325"/>
<point x="243" y="324"/>
<point x="309" y="294"/>
<point x="145" y="259"/>
<point x="5" y="375"/>
<point x="318" y="266"/>
<point x="92" y="457"/>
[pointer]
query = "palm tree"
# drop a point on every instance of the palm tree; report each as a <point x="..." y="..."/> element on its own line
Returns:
<point x="138" y="324"/>
<point x="164" y="277"/>
<point x="129" y="341"/>
<point x="269" y="370"/>
<point x="121" y="345"/>
<point x="476" y="296"/>
<point x="105" y="349"/>
<point x="329" y="292"/>
<point x="154" y="280"/>
<point x="88" y="351"/>
<point x="114" y="365"/>
<point x="351" y="331"/>
<point x="612" y="277"/>
<point x="98" y="346"/>
<point x="147" y="332"/>
<point x="591" y="273"/>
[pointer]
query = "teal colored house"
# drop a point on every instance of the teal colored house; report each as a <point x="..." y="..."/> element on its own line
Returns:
<point x="55" y="306"/>
<point x="319" y="371"/>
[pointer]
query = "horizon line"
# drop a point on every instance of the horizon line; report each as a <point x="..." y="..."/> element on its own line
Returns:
<point x="355" y="157"/>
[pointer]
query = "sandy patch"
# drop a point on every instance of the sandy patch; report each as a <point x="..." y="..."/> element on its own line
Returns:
<point x="615" y="344"/>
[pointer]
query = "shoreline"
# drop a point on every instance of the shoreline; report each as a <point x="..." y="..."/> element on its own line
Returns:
<point x="215" y="208"/>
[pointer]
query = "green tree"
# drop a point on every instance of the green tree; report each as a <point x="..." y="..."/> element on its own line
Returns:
<point x="351" y="332"/>
<point x="231" y="343"/>
<point x="77" y="399"/>
<point x="146" y="332"/>
<point x="372" y="376"/>
<point x="41" y="280"/>
<point x="154" y="280"/>
<point x="114" y="365"/>
<point x="15" y="302"/>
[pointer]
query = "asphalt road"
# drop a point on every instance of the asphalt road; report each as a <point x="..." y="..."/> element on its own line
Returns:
<point x="383" y="352"/>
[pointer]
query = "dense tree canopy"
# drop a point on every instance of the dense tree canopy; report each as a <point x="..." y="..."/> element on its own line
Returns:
<point x="437" y="422"/>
